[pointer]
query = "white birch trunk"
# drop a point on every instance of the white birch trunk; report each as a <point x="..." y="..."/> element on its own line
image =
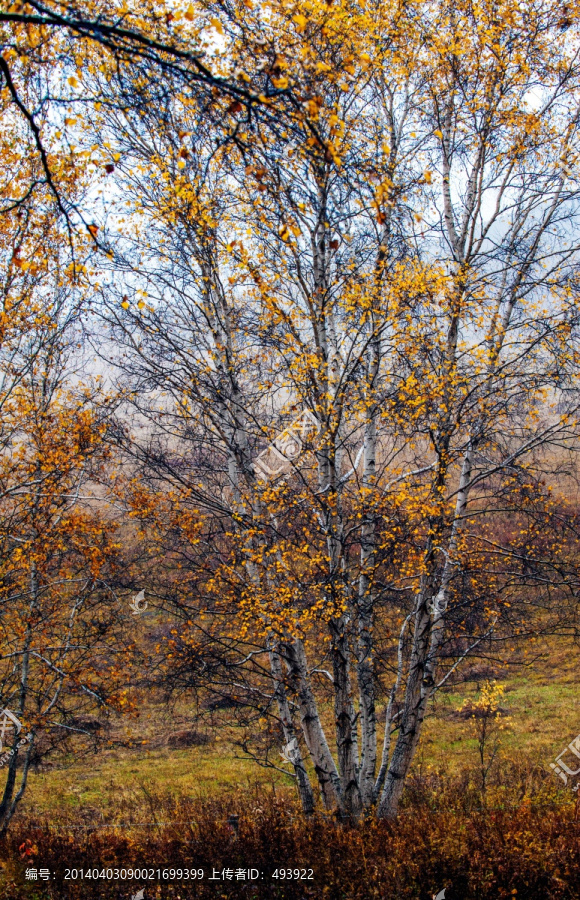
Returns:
<point x="365" y="617"/>
<point x="424" y="659"/>
<point x="302" y="779"/>
<point x="320" y="754"/>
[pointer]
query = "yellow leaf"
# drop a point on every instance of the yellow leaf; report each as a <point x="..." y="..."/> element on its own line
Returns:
<point x="217" y="25"/>
<point x="300" y="21"/>
<point x="438" y="133"/>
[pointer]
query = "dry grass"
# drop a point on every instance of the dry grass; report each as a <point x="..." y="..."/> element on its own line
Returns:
<point x="441" y="839"/>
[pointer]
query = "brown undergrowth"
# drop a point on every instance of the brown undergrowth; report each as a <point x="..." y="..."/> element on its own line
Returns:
<point x="447" y="836"/>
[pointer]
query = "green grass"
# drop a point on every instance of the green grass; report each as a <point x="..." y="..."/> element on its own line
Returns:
<point x="542" y="701"/>
<point x="542" y="719"/>
<point x="110" y="781"/>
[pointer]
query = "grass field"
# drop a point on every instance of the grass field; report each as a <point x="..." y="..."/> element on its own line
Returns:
<point x="542" y="706"/>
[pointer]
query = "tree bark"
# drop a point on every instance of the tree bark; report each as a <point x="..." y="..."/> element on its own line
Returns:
<point x="366" y="600"/>
<point x="324" y="765"/>
<point x="302" y="780"/>
<point x="345" y="720"/>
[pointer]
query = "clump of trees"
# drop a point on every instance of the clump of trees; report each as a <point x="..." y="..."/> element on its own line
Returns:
<point x="334" y="273"/>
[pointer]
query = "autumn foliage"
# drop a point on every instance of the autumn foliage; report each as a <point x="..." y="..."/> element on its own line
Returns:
<point x="326" y="256"/>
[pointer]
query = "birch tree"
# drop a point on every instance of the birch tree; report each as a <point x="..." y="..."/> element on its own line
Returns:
<point x="397" y="263"/>
<point x="58" y="608"/>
